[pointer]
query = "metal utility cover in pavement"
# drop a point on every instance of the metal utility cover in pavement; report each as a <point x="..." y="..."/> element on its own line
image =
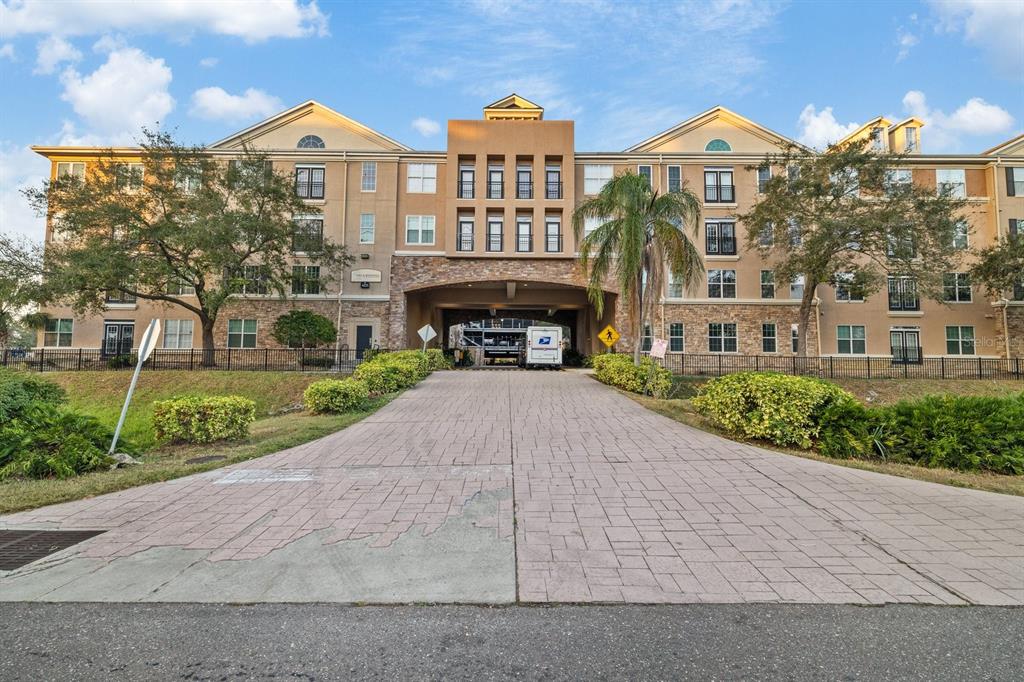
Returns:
<point x="21" y="547"/>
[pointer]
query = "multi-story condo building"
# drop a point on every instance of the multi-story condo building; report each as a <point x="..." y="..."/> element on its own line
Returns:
<point x="483" y="229"/>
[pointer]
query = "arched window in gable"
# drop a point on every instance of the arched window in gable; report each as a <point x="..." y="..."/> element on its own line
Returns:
<point x="311" y="142"/>
<point x="717" y="145"/>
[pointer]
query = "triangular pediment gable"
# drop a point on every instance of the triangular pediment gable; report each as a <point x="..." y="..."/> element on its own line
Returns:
<point x="337" y="131"/>
<point x="701" y="132"/>
<point x="1012" y="147"/>
<point x="513" y="107"/>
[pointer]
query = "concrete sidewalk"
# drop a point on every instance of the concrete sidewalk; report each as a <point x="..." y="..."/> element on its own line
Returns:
<point x="613" y="503"/>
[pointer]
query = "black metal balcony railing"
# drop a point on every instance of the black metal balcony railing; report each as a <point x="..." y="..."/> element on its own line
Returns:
<point x="464" y="242"/>
<point x="466" y="189"/>
<point x="524" y="242"/>
<point x="524" y="190"/>
<point x="553" y="243"/>
<point x="309" y="190"/>
<point x="719" y="194"/>
<point x="495" y="190"/>
<point x="906" y="355"/>
<point x="494" y="241"/>
<point x="722" y="246"/>
<point x="553" y="190"/>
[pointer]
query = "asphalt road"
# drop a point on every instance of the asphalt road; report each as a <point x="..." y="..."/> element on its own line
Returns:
<point x="331" y="642"/>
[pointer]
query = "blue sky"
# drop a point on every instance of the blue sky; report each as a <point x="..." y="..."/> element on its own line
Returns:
<point x="93" y="73"/>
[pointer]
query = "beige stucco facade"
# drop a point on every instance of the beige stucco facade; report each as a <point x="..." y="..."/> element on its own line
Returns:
<point x="449" y="234"/>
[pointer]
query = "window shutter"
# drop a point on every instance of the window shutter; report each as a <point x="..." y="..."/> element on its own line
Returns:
<point x="1009" y="182"/>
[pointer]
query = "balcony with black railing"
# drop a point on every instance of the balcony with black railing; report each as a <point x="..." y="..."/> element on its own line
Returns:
<point x="909" y="355"/>
<point x="719" y="194"/>
<point x="464" y="242"/>
<point x="524" y="190"/>
<point x="495" y="190"/>
<point x="524" y="242"/>
<point x="553" y="243"/>
<point x="466" y="189"/>
<point x="553" y="190"/>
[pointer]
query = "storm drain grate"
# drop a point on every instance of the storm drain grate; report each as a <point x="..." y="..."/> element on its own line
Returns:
<point x="21" y="547"/>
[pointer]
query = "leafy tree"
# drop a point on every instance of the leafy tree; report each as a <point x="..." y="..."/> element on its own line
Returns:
<point x="1000" y="267"/>
<point x="843" y="217"/>
<point x="20" y="266"/>
<point x="184" y="221"/>
<point x="643" y="239"/>
<point x="303" y="329"/>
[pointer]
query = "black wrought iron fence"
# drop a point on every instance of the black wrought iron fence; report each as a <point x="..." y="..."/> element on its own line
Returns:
<point x="862" y="367"/>
<point x="242" y="359"/>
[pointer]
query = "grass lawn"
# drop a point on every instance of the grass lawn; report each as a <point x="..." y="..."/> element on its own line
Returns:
<point x="279" y="425"/>
<point x="880" y="392"/>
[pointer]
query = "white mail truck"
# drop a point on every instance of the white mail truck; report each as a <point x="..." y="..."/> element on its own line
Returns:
<point x="543" y="347"/>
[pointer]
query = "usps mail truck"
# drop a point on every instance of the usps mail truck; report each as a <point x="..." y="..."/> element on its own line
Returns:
<point x="543" y="347"/>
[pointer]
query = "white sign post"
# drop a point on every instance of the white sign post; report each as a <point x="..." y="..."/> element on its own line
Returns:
<point x="426" y="333"/>
<point x="146" y="346"/>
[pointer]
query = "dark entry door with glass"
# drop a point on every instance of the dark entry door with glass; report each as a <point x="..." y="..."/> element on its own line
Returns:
<point x="906" y="345"/>
<point x="118" y="337"/>
<point x="364" y="338"/>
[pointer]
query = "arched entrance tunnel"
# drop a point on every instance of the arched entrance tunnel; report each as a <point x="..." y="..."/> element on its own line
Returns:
<point x="545" y="302"/>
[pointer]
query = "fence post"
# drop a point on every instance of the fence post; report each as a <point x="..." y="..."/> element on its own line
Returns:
<point x="794" y="365"/>
<point x="720" y="363"/>
<point x="191" y="358"/>
<point x="1016" y="366"/>
<point x="980" y="375"/>
<point x="869" y="367"/>
<point x="831" y="367"/>
<point x="906" y="368"/>
<point x="229" y="358"/>
<point x="942" y="365"/>
<point x="757" y="363"/>
<point x="41" y="352"/>
<point x="302" y="358"/>
<point x="266" y="359"/>
<point x="5" y="356"/>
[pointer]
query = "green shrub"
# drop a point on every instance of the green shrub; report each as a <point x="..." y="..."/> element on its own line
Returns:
<point x="198" y="419"/>
<point x="617" y="369"/>
<point x="782" y="409"/>
<point x="848" y="430"/>
<point x="303" y="329"/>
<point x="335" y="395"/>
<point x="437" y="359"/>
<point x="47" y="441"/>
<point x="122" y="361"/>
<point x="20" y="391"/>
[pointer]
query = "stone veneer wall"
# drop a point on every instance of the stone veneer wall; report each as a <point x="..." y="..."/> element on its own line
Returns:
<point x="416" y="272"/>
<point x="267" y="310"/>
<point x="1014" y="329"/>
<point x="747" y="317"/>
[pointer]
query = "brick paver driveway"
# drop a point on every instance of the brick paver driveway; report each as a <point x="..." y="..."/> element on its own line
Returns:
<point x="612" y="503"/>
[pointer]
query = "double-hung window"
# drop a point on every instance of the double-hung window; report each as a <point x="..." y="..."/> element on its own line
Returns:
<point x="675" y="287"/>
<point x="646" y="339"/>
<point x="956" y="287"/>
<point x="722" y="337"/>
<point x="851" y="339"/>
<point x="305" y="279"/>
<point x="307" y="235"/>
<point x="118" y="297"/>
<point x="368" y="179"/>
<point x="846" y="289"/>
<point x="903" y="293"/>
<point x="57" y="332"/>
<point x="421" y="178"/>
<point x="1014" y="181"/>
<point x="467" y="181"/>
<point x="897" y="180"/>
<point x="764" y="174"/>
<point x="524" y="235"/>
<point x="718" y="187"/>
<point x="595" y="177"/>
<point x="419" y="230"/>
<point x="910" y="133"/>
<point x="951" y="182"/>
<point x="721" y="238"/>
<point x="76" y="171"/>
<point x="553" y="182"/>
<point x="794" y="337"/>
<point x="960" y="340"/>
<point x="129" y="176"/>
<point x="796" y="287"/>
<point x="495" y="234"/>
<point x="645" y="172"/>
<point x="721" y="284"/>
<point x="177" y="287"/>
<point x="309" y="182"/>
<point x="367" y="228"/>
<point x="675" y="178"/>
<point x="766" y="236"/>
<point x="676" y="338"/>
<point x="178" y="333"/>
<point x="524" y="182"/>
<point x="767" y="284"/>
<point x="253" y="280"/>
<point x="960" y="235"/>
<point x="769" y="338"/>
<point x="794" y="233"/>
<point x="242" y="333"/>
<point x="495" y="182"/>
<point x="902" y="246"/>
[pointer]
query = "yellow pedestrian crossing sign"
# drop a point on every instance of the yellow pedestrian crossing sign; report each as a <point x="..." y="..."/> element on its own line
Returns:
<point x="609" y="336"/>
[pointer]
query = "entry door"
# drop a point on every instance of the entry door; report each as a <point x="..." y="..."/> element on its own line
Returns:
<point x="118" y="338"/>
<point x="364" y="337"/>
<point x="906" y="345"/>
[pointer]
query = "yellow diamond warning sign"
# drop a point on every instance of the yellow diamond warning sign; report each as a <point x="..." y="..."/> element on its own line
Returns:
<point x="609" y="336"/>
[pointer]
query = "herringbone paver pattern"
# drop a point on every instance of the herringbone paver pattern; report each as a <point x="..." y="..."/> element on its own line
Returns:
<point x="612" y="503"/>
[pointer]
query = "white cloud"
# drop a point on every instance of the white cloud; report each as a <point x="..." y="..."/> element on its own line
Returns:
<point x="126" y="93"/>
<point x="426" y="127"/>
<point x="255" y="21"/>
<point x="820" y="128"/>
<point x="208" y="62"/>
<point x="20" y="168"/>
<point x="905" y="40"/>
<point x="7" y="52"/>
<point x="214" y="103"/>
<point x="52" y="52"/>
<point x="944" y="131"/>
<point x="995" y="27"/>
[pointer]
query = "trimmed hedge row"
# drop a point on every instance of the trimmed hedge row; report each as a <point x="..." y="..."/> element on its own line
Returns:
<point x="968" y="433"/>
<point x="378" y="374"/>
<point x="617" y="369"/>
<point x="197" y="419"/>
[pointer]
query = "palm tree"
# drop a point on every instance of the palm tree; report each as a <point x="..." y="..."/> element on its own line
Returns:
<point x="643" y="238"/>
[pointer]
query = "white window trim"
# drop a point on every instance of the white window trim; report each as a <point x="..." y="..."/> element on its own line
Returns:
<point x="409" y="177"/>
<point x="256" y="334"/>
<point x="587" y="166"/>
<point x="419" y="230"/>
<point x="362" y="176"/>
<point x="373" y="228"/>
